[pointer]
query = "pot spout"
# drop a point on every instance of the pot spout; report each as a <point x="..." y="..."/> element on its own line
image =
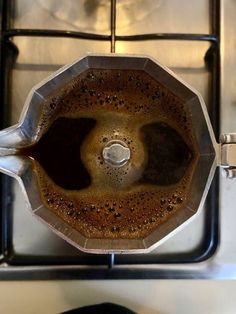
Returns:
<point x="11" y="140"/>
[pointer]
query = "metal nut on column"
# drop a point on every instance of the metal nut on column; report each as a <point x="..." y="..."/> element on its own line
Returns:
<point x="116" y="153"/>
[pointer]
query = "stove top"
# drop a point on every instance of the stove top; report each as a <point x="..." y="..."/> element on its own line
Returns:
<point x="39" y="37"/>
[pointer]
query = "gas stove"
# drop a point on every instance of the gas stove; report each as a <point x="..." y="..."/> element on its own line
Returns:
<point x="39" y="37"/>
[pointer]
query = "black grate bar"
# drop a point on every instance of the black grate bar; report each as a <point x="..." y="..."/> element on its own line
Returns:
<point x="90" y="36"/>
<point x="8" y="53"/>
<point x="215" y="65"/>
<point x="113" y="25"/>
<point x="53" y="33"/>
<point x="169" y="36"/>
<point x="213" y="61"/>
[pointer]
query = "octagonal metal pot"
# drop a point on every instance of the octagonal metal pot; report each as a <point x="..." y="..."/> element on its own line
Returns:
<point x="25" y="133"/>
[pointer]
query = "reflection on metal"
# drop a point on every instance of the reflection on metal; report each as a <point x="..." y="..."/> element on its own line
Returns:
<point x="116" y="154"/>
<point x="93" y="15"/>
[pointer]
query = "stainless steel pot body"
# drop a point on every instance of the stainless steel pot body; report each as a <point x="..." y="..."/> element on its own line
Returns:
<point x="25" y="133"/>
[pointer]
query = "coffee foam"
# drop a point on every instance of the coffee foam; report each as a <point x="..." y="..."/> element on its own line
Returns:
<point x="117" y="204"/>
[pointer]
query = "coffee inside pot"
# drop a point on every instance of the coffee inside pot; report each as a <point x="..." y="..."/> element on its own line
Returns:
<point x="116" y="153"/>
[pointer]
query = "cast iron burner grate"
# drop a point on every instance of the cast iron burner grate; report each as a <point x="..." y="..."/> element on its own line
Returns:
<point x="88" y="266"/>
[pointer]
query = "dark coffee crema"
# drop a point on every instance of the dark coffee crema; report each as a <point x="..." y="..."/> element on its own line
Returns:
<point x="99" y="200"/>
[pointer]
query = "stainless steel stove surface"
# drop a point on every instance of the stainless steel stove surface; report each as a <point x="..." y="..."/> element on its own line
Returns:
<point x="30" y="249"/>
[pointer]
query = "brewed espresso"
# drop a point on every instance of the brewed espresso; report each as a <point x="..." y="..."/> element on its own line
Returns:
<point x="97" y="199"/>
<point x="58" y="152"/>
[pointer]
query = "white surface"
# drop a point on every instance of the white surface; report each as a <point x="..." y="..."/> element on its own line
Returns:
<point x="143" y="297"/>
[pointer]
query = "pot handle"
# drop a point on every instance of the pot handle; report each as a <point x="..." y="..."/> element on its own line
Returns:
<point x="228" y="154"/>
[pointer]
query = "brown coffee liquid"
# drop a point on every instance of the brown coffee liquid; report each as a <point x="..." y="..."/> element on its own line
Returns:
<point x="93" y="197"/>
<point x="168" y="155"/>
<point x="58" y="152"/>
